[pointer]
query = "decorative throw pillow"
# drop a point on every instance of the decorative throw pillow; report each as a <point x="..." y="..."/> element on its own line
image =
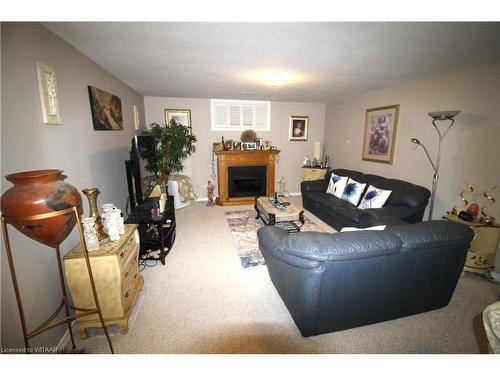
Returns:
<point x="337" y="184"/>
<point x="353" y="229"/>
<point x="353" y="191"/>
<point x="374" y="198"/>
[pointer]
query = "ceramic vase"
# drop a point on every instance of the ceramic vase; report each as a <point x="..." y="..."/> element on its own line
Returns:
<point x="91" y="194"/>
<point x="90" y="233"/>
<point x="38" y="192"/>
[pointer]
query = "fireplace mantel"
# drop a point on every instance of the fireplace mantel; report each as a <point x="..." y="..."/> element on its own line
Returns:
<point x="227" y="159"/>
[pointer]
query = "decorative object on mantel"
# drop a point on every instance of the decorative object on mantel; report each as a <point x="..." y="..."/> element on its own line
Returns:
<point x="437" y="116"/>
<point x="469" y="189"/>
<point x="106" y="110"/>
<point x="248" y="135"/>
<point x="39" y="192"/>
<point x="91" y="194"/>
<point x="297" y="128"/>
<point x="307" y="162"/>
<point x="218" y="146"/>
<point x="43" y="207"/>
<point x="485" y="218"/>
<point x="49" y="96"/>
<point x="175" y="142"/>
<point x="380" y="134"/>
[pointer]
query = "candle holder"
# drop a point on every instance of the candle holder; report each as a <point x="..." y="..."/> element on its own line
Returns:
<point x="91" y="194"/>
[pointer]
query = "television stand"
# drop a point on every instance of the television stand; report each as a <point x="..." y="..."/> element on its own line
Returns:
<point x="156" y="233"/>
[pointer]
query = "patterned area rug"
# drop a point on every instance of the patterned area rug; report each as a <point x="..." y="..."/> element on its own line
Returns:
<point x="244" y="226"/>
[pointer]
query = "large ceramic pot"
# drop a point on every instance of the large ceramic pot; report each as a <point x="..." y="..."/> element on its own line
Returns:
<point x="39" y="192"/>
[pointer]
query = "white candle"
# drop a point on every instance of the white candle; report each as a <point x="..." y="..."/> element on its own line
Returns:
<point x="317" y="150"/>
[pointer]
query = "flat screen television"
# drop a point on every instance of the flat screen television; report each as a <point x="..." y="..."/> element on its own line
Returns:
<point x="140" y="182"/>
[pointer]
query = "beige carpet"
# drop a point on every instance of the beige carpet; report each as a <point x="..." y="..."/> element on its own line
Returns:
<point x="203" y="301"/>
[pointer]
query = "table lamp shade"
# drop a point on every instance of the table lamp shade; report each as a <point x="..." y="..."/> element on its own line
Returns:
<point x="317" y="150"/>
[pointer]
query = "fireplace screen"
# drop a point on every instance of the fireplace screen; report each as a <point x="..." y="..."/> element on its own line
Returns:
<point x="247" y="181"/>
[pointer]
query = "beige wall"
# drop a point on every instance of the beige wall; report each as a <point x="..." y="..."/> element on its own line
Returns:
<point x="88" y="157"/>
<point x="471" y="148"/>
<point x="292" y="153"/>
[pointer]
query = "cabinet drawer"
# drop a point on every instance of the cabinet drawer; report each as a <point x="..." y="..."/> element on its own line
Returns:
<point x="131" y="244"/>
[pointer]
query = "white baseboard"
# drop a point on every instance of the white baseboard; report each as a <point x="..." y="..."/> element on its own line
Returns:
<point x="66" y="339"/>
<point x="204" y="199"/>
<point x="295" y="194"/>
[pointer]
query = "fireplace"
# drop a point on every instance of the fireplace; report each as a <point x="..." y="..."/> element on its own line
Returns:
<point x="246" y="181"/>
<point x="243" y="175"/>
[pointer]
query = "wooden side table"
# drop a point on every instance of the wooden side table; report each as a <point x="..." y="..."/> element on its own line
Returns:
<point x="310" y="174"/>
<point x="481" y="254"/>
<point x="117" y="279"/>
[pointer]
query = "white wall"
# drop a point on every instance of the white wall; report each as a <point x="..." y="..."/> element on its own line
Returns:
<point x="471" y="148"/>
<point x="291" y="155"/>
<point x="89" y="158"/>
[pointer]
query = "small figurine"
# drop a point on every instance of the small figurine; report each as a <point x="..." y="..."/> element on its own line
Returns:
<point x="282" y="184"/>
<point x="485" y="218"/>
<point x="210" y="193"/>
<point x="306" y="162"/>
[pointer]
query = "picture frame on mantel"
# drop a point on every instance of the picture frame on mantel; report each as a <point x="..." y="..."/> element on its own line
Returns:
<point x="380" y="134"/>
<point x="49" y="95"/>
<point x="298" y="128"/>
<point x="181" y="116"/>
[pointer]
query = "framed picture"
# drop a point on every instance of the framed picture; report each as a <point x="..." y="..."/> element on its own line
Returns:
<point x="106" y="110"/>
<point x="259" y="143"/>
<point x="136" y="117"/>
<point x="228" y="144"/>
<point x="380" y="134"/>
<point x="218" y="146"/>
<point x="237" y="145"/>
<point x="298" y="128"/>
<point x="248" y="146"/>
<point x="182" y="116"/>
<point x="267" y="145"/>
<point x="49" y="97"/>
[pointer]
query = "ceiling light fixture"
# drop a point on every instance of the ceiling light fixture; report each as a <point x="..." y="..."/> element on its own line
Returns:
<point x="274" y="77"/>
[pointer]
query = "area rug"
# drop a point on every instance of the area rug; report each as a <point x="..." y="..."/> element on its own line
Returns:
<point x="244" y="226"/>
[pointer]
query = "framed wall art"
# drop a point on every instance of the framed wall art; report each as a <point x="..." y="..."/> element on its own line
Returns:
<point x="380" y="134"/>
<point x="49" y="96"/>
<point x="137" y="125"/>
<point x="106" y="110"/>
<point x="182" y="116"/>
<point x="298" y="128"/>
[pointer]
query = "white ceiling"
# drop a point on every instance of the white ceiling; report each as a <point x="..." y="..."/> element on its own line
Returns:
<point x="334" y="60"/>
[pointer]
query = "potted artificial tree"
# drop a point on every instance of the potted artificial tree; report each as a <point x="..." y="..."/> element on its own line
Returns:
<point x="174" y="142"/>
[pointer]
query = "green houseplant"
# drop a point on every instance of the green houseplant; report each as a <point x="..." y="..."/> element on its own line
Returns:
<point x="174" y="142"/>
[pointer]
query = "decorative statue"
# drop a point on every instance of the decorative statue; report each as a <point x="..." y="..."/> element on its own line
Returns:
<point x="210" y="193"/>
<point x="306" y="162"/>
<point x="487" y="219"/>
<point x="456" y="210"/>
<point x="282" y="184"/>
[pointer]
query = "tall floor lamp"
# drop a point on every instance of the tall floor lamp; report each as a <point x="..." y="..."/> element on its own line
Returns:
<point x="437" y="116"/>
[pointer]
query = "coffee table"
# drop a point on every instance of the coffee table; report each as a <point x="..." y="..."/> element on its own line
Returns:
<point x="271" y="215"/>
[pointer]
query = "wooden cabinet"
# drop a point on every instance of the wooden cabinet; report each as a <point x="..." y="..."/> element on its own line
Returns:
<point x="481" y="254"/>
<point x="310" y="174"/>
<point x="116" y="274"/>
